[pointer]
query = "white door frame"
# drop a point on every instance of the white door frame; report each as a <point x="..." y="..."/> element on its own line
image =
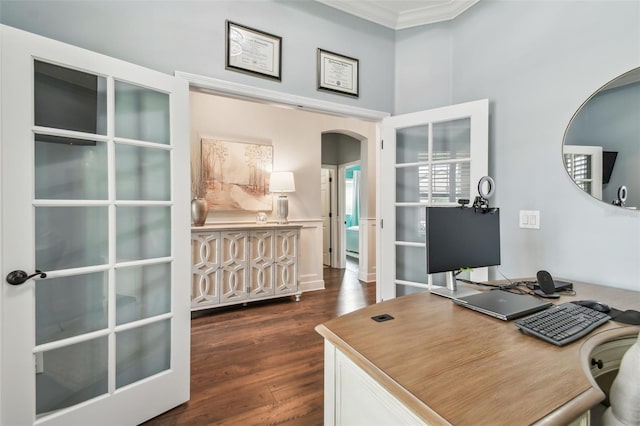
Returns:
<point x="241" y="91"/>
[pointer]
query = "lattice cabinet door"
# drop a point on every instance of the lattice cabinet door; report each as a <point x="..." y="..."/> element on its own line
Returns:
<point x="205" y="255"/>
<point x="234" y="260"/>
<point x="286" y="253"/>
<point x="243" y="263"/>
<point x="262" y="249"/>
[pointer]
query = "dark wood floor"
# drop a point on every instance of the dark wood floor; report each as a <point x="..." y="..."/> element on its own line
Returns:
<point x="263" y="364"/>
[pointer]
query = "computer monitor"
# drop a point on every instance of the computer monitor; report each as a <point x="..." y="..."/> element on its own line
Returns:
<point x="608" y="161"/>
<point x="458" y="238"/>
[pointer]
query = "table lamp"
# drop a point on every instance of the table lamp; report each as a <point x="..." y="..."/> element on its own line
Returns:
<point x="282" y="182"/>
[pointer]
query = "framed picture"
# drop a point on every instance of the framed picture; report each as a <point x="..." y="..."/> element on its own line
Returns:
<point x="253" y="52"/>
<point x="236" y="175"/>
<point x="337" y="73"/>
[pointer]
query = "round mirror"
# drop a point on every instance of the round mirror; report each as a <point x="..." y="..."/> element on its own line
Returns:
<point x="601" y="150"/>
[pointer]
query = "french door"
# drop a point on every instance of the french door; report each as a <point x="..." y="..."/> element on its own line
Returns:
<point x="94" y="190"/>
<point x="433" y="157"/>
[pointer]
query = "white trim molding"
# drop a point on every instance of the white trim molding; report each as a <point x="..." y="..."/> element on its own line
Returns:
<point x="310" y="264"/>
<point x="310" y="272"/>
<point x="242" y="91"/>
<point x="367" y="270"/>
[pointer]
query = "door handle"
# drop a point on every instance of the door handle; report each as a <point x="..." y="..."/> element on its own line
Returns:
<point x="19" y="277"/>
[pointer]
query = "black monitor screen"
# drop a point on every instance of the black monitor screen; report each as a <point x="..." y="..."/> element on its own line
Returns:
<point x="608" y="161"/>
<point x="462" y="238"/>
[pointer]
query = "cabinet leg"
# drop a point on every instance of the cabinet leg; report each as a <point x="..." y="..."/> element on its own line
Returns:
<point x="298" y="297"/>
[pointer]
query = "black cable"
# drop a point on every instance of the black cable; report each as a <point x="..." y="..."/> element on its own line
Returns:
<point x="462" y="280"/>
<point x="513" y="286"/>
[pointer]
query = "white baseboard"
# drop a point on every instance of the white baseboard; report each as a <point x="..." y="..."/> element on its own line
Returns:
<point x="367" y="278"/>
<point x="311" y="285"/>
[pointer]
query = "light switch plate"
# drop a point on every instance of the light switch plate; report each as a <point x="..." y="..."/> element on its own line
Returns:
<point x="530" y="219"/>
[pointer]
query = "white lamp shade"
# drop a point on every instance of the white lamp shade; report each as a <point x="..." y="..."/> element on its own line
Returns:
<point x="282" y="182"/>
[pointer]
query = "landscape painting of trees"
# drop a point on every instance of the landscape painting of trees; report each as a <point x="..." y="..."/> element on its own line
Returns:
<point x="236" y="175"/>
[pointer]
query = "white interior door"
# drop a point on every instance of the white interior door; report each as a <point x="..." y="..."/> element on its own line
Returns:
<point x="94" y="189"/>
<point x="432" y="157"/>
<point x="325" y="193"/>
<point x="330" y="247"/>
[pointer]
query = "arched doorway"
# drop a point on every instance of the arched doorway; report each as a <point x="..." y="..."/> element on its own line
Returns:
<point x="346" y="174"/>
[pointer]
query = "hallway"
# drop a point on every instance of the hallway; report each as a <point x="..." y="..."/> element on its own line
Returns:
<point x="263" y="364"/>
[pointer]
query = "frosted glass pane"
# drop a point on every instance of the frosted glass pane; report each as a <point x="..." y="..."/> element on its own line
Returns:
<point x="69" y="99"/>
<point x="412" y="184"/>
<point x="142" y="173"/>
<point x="412" y="144"/>
<point x="450" y="182"/>
<point x="141" y="114"/>
<point x="410" y="224"/>
<point x="70" y="169"/>
<point x="142" y="232"/>
<point x="440" y="279"/>
<point x="142" y="292"/>
<point x="70" y="237"/>
<point x="405" y="290"/>
<point x="142" y="352"/>
<point x="411" y="264"/>
<point x="452" y="139"/>
<point x="71" y="375"/>
<point x="69" y="306"/>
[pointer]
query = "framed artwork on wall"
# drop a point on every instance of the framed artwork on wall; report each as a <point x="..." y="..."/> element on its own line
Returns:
<point x="338" y="73"/>
<point x="253" y="52"/>
<point x="236" y="175"/>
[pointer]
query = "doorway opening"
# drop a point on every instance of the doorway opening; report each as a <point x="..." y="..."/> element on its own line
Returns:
<point x="341" y="176"/>
<point x="361" y="124"/>
<point x="351" y="203"/>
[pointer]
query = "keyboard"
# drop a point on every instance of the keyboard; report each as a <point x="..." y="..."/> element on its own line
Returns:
<point x="562" y="324"/>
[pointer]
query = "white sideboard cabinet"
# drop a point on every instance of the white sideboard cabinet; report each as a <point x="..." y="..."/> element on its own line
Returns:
<point x="241" y="263"/>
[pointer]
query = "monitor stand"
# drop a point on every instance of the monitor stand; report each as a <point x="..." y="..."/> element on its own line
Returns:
<point x="452" y="291"/>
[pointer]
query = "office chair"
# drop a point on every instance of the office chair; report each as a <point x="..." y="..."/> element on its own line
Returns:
<point x="624" y="396"/>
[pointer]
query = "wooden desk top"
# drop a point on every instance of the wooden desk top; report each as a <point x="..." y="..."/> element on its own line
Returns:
<point x="452" y="365"/>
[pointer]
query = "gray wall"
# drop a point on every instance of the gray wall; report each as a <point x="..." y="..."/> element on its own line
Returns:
<point x="339" y="149"/>
<point x="189" y="36"/>
<point x="537" y="62"/>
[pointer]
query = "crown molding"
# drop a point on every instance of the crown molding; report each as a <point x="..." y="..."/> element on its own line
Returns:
<point x="391" y="15"/>
<point x="431" y="14"/>
<point x="365" y="10"/>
